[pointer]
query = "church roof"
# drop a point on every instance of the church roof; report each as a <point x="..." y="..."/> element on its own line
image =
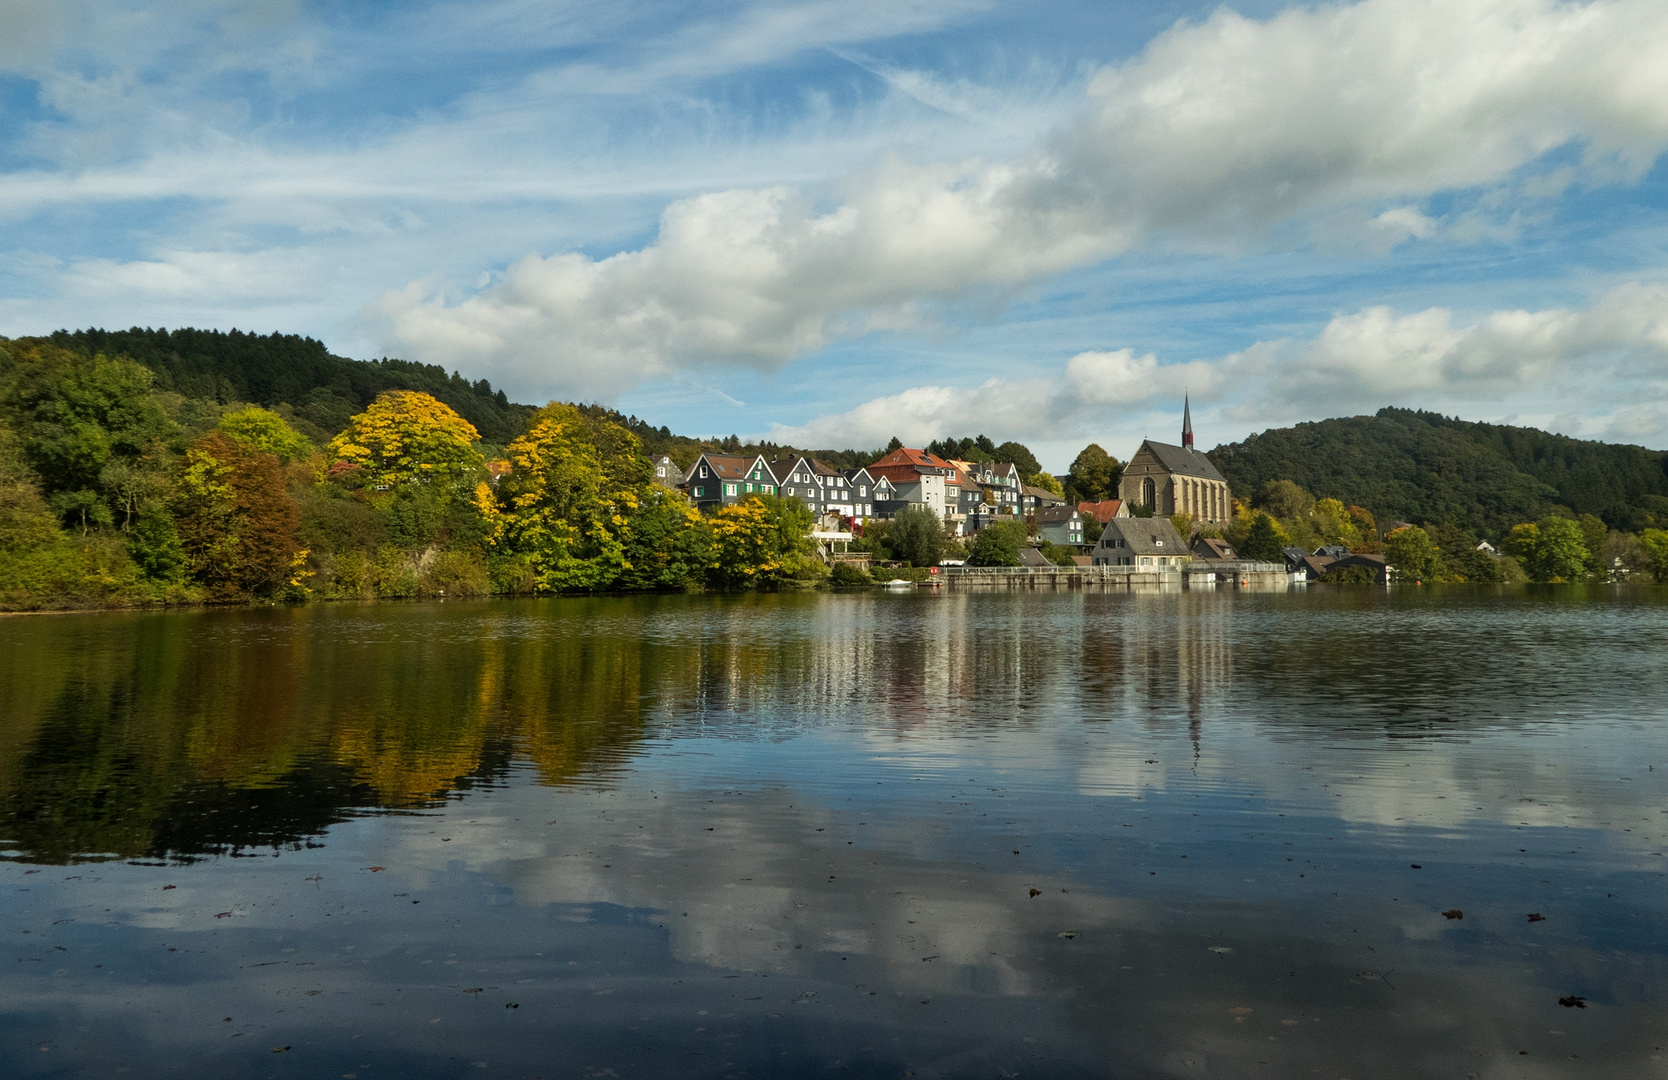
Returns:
<point x="1184" y="461"/>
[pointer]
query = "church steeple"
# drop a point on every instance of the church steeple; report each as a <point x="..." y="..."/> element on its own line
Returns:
<point x="1187" y="423"/>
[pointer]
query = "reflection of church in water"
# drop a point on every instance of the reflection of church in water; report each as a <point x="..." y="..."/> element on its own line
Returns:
<point x="1177" y="479"/>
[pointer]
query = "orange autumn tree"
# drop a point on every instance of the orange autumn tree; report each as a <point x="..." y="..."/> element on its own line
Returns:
<point x="408" y="437"/>
<point x="237" y="523"/>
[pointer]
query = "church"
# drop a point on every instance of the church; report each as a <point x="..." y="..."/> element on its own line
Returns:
<point x="1177" y="479"/>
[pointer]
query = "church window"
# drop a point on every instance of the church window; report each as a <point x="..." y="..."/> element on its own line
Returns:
<point x="1149" y="492"/>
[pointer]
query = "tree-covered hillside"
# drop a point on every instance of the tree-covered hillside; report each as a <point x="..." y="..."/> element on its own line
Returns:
<point x="287" y="369"/>
<point x="1424" y="467"/>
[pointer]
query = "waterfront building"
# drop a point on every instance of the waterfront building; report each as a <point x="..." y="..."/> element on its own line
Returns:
<point x="1146" y="542"/>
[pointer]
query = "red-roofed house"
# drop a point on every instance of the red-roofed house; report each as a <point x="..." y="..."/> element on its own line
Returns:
<point x="921" y="478"/>
<point x="1105" y="510"/>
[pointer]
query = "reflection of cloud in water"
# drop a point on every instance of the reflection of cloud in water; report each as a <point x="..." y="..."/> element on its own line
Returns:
<point x="1202" y="772"/>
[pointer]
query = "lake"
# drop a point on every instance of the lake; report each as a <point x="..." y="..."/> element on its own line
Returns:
<point x="1337" y="833"/>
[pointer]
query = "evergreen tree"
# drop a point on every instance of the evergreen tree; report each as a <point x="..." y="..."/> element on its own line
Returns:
<point x="1265" y="542"/>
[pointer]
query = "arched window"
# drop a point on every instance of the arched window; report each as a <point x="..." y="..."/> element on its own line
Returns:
<point x="1149" y="492"/>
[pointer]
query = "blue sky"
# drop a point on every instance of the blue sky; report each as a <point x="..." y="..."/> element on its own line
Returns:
<point x="831" y="222"/>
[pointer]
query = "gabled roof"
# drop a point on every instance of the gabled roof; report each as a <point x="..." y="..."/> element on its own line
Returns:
<point x="783" y="467"/>
<point x="1047" y="515"/>
<point x="1210" y="547"/>
<point x="727" y="466"/>
<point x="1102" y="511"/>
<point x="1145" y="536"/>
<point x="1183" y="460"/>
<point x="906" y="462"/>
<point x="1030" y="556"/>
<point x="1041" y="493"/>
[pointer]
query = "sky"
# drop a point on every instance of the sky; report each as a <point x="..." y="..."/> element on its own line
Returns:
<point x="834" y="221"/>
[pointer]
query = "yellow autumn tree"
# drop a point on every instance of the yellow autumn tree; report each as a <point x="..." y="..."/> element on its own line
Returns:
<point x="566" y="505"/>
<point x="407" y="437"/>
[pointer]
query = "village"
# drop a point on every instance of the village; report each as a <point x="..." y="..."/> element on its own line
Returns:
<point x="1131" y="540"/>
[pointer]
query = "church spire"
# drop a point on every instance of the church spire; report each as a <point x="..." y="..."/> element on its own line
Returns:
<point x="1187" y="423"/>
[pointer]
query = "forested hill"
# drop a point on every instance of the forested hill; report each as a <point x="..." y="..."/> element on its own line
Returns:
<point x="324" y="390"/>
<point x="1427" y="468"/>
<point x="287" y="369"/>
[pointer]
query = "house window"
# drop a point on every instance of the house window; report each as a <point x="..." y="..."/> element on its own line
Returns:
<point x="660" y="470"/>
<point x="703" y="472"/>
<point x="862" y="490"/>
<point x="700" y="491"/>
<point x="729" y="489"/>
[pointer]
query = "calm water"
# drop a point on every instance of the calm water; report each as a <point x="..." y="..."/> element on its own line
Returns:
<point x="1111" y="835"/>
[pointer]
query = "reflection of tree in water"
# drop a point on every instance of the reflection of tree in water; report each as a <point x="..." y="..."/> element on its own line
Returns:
<point x="175" y="736"/>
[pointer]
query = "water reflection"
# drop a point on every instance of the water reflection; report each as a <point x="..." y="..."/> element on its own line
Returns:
<point x="1169" y="834"/>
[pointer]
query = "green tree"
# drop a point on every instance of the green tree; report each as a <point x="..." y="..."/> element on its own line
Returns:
<point x="267" y="432"/>
<point x="1018" y="454"/>
<point x="1476" y="566"/>
<point x="917" y="536"/>
<point x="1333" y="522"/>
<point x="997" y="545"/>
<point x="1414" y="554"/>
<point x="1551" y="549"/>
<point x="84" y="421"/>
<point x="668" y="545"/>
<point x="1264" y="541"/>
<point x="1285" y="500"/>
<point x="1593" y="534"/>
<point x="1095" y="473"/>
<point x="1655" y="544"/>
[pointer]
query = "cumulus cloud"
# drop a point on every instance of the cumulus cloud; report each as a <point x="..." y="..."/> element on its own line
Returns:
<point x="1217" y="133"/>
<point x="1506" y="361"/>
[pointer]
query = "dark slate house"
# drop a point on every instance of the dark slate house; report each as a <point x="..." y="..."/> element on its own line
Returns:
<point x="1060" y="525"/>
<point x="723" y="479"/>
<point x="825" y="489"/>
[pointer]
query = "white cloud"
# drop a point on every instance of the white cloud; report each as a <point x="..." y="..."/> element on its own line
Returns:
<point x="1216" y="133"/>
<point x="1541" y="362"/>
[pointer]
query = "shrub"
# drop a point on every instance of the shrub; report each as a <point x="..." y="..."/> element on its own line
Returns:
<point x="847" y="574"/>
<point x="453" y="573"/>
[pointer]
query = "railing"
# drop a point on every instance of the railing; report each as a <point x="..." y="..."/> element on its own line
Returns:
<point x="1237" y="566"/>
